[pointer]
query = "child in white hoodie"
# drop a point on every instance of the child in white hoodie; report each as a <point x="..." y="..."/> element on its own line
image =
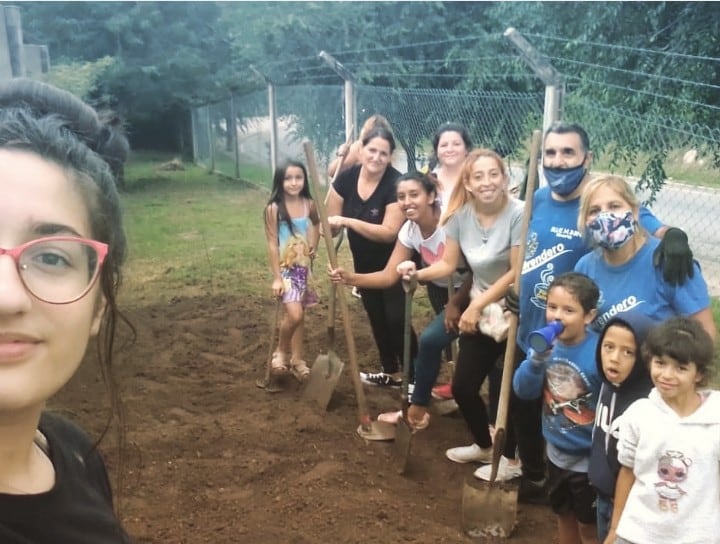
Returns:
<point x="668" y="488"/>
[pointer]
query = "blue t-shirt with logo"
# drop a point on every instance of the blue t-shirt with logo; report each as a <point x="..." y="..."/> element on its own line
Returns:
<point x="554" y="246"/>
<point x="637" y="284"/>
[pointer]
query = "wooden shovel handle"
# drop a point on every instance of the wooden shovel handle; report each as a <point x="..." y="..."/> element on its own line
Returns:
<point x="363" y="414"/>
<point x="509" y="359"/>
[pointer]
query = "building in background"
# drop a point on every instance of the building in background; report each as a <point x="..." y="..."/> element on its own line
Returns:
<point x="18" y="59"/>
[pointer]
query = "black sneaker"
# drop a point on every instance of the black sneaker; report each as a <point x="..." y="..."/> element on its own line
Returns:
<point x="533" y="492"/>
<point x="380" y="378"/>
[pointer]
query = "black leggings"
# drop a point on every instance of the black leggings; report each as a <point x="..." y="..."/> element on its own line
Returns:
<point x="480" y="357"/>
<point x="385" y="309"/>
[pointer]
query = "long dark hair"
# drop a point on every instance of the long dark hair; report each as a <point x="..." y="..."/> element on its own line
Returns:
<point x="277" y="193"/>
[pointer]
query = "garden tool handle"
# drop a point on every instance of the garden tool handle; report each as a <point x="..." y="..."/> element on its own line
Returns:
<point x="509" y="359"/>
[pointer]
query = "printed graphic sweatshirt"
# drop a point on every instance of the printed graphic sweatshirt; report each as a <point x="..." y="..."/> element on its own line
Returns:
<point x="676" y="463"/>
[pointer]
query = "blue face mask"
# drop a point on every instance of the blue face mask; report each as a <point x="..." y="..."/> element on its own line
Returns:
<point x="564" y="181"/>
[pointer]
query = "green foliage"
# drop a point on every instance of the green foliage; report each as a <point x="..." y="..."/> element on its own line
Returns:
<point x="170" y="55"/>
<point x="80" y="78"/>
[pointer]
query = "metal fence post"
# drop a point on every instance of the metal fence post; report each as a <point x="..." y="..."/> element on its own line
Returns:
<point x="553" y="80"/>
<point x="233" y="126"/>
<point x="272" y="112"/>
<point x="211" y="145"/>
<point x="194" y="128"/>
<point x="350" y="95"/>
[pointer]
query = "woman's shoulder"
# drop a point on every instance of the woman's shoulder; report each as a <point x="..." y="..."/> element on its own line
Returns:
<point x="347" y="178"/>
<point x="516" y="207"/>
<point x="590" y="259"/>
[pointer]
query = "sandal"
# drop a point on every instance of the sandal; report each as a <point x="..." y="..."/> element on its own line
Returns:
<point x="278" y="366"/>
<point x="299" y="369"/>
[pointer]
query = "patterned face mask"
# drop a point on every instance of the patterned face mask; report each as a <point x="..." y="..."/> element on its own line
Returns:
<point x="610" y="230"/>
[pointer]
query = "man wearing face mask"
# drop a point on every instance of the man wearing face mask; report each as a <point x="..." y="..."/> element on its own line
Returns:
<point x="554" y="245"/>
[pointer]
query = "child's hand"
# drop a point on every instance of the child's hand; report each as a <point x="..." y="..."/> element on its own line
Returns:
<point x="539" y="357"/>
<point x="406" y="269"/>
<point x="278" y="287"/>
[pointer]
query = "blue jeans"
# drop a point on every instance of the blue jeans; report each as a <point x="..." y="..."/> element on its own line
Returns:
<point x="429" y="356"/>
<point x="604" y="516"/>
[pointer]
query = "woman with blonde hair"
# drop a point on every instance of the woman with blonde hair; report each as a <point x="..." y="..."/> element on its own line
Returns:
<point x="622" y="262"/>
<point x="483" y="222"/>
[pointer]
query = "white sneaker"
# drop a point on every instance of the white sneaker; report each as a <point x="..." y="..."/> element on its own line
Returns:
<point x="470" y="454"/>
<point x="506" y="471"/>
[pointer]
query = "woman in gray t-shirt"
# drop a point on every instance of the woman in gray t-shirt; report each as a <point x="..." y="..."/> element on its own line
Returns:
<point x="482" y="223"/>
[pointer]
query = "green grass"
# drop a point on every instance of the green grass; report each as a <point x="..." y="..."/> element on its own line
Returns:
<point x="190" y="232"/>
<point x="701" y="172"/>
<point x="249" y="171"/>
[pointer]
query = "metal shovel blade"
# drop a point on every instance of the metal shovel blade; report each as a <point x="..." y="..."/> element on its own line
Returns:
<point x="403" y="444"/>
<point x="268" y="385"/>
<point x="489" y="510"/>
<point x="323" y="379"/>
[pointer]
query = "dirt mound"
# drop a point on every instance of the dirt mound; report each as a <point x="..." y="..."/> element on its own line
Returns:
<point x="212" y="458"/>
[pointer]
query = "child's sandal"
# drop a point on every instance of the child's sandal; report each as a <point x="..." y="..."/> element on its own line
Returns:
<point x="278" y="366"/>
<point x="299" y="369"/>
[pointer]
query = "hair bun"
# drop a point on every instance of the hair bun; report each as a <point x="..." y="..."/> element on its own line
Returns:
<point x="105" y="137"/>
<point x="45" y="99"/>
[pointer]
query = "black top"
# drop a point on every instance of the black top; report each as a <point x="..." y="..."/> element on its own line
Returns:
<point x="368" y="256"/>
<point x="79" y="507"/>
<point x="613" y="400"/>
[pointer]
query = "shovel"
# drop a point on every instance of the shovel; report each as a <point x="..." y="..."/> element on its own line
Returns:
<point x="368" y="429"/>
<point x="404" y="432"/>
<point x="491" y="510"/>
<point x="326" y="370"/>
<point x="266" y="381"/>
<point x="328" y="367"/>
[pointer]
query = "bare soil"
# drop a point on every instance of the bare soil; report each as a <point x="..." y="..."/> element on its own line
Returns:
<point x="212" y="458"/>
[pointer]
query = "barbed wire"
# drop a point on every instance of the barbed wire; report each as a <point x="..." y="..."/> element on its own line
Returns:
<point x="634" y="72"/>
<point x="640" y="91"/>
<point x="624" y="47"/>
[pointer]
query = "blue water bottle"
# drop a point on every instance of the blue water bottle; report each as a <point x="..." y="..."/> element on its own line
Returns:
<point x="541" y="340"/>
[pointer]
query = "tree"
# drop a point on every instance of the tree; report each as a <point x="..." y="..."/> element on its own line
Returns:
<point x="168" y="57"/>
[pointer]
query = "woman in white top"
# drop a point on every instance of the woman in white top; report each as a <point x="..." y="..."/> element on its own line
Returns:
<point x="420" y="234"/>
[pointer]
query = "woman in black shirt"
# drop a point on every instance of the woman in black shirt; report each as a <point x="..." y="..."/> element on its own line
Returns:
<point x="363" y="200"/>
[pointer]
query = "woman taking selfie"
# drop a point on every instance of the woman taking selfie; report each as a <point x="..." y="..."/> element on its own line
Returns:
<point x="61" y="248"/>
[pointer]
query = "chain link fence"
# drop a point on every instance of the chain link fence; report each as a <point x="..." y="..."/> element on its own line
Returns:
<point x="646" y="148"/>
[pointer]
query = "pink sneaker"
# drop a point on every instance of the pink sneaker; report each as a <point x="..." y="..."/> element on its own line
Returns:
<point x="442" y="392"/>
<point x="390" y="417"/>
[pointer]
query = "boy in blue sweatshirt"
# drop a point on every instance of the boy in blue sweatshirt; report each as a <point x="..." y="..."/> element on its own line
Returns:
<point x="567" y="379"/>
<point x="625" y="378"/>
